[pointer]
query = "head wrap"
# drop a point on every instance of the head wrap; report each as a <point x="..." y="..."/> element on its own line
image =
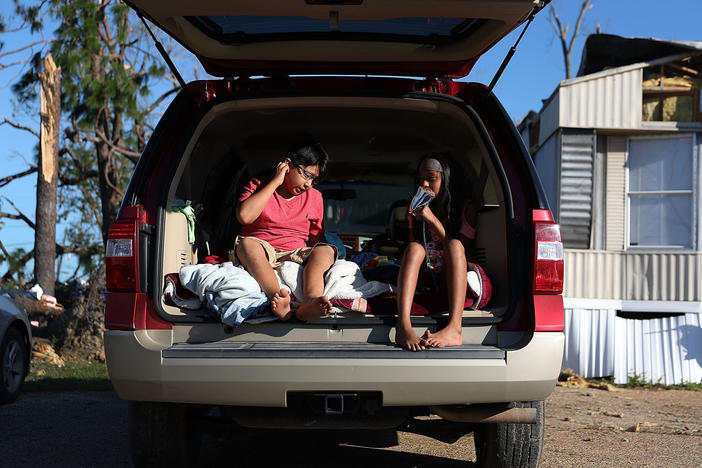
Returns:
<point x="431" y="164"/>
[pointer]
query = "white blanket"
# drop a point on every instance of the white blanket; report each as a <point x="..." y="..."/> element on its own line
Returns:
<point x="344" y="280"/>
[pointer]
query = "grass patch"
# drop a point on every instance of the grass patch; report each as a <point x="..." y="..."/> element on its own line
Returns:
<point x="635" y="380"/>
<point x="74" y="375"/>
<point x="695" y="387"/>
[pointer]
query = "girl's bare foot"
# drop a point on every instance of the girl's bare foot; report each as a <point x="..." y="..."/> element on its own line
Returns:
<point x="280" y="304"/>
<point x="408" y="339"/>
<point x="444" y="337"/>
<point x="314" y="307"/>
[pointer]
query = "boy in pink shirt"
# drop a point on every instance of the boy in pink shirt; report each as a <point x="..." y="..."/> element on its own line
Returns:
<point x="278" y="217"/>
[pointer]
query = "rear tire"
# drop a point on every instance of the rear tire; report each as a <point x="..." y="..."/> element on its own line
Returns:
<point x="511" y="445"/>
<point x="14" y="360"/>
<point x="163" y="435"/>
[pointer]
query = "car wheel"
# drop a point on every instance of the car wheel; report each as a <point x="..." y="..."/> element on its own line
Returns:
<point x="511" y="445"/>
<point x="14" y="364"/>
<point x="163" y="434"/>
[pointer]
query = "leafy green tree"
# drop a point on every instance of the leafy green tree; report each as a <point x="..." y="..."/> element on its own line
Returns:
<point x="108" y="71"/>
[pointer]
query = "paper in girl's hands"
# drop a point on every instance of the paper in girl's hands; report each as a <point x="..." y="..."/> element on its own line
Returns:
<point x="421" y="199"/>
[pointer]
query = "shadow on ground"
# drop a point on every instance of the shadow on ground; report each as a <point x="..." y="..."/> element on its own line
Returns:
<point x="315" y="449"/>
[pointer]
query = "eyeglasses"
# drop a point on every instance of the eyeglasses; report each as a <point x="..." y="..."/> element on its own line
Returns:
<point x="306" y="175"/>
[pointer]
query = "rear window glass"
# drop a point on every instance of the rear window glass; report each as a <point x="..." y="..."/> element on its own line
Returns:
<point x="275" y="28"/>
<point x="361" y="208"/>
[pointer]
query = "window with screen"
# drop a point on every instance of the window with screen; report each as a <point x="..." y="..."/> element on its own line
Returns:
<point x="661" y="192"/>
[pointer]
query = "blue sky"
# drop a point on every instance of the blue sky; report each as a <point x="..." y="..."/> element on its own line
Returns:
<point x="530" y="77"/>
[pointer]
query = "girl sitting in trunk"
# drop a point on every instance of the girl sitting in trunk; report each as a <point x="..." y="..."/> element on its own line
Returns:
<point x="436" y="251"/>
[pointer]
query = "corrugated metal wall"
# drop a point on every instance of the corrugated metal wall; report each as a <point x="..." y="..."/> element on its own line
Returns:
<point x="548" y="119"/>
<point x="602" y="101"/>
<point x="593" y="274"/>
<point x="615" y="196"/>
<point x="666" y="350"/>
<point x="663" y="276"/>
<point x="547" y="166"/>
<point x="589" y="341"/>
<point x="633" y="276"/>
<point x="524" y="133"/>
<point x="575" y="210"/>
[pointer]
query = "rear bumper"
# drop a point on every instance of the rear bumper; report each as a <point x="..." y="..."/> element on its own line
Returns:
<point x="140" y="370"/>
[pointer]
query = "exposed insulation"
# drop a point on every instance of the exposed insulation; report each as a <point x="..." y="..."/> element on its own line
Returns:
<point x="670" y="82"/>
<point x="667" y="109"/>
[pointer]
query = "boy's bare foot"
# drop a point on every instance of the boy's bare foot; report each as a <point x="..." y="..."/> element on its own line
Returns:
<point x="444" y="337"/>
<point x="314" y="307"/>
<point x="280" y="304"/>
<point x="408" y="339"/>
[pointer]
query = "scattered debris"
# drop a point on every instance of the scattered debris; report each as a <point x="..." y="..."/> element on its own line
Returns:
<point x="568" y="378"/>
<point x="38" y="306"/>
<point x="643" y="427"/>
<point x="78" y="333"/>
<point x="42" y="351"/>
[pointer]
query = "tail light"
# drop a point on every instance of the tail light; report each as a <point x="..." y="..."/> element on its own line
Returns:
<point x="548" y="254"/>
<point x="548" y="274"/>
<point x="126" y="308"/>
<point x="122" y="251"/>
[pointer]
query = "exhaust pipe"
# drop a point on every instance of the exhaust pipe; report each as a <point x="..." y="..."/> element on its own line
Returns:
<point x="486" y="414"/>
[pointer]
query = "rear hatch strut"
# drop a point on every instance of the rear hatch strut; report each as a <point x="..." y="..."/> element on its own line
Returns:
<point x="165" y="55"/>
<point x="511" y="52"/>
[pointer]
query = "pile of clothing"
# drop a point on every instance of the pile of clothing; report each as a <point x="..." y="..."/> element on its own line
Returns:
<point x="229" y="292"/>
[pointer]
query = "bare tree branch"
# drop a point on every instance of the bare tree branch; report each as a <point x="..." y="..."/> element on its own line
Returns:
<point x="14" y="216"/>
<point x="556" y="22"/>
<point x="19" y="127"/>
<point x="85" y="173"/>
<point x="4" y="250"/>
<point x="158" y="101"/>
<point x="65" y="180"/>
<point x="6" y="180"/>
<point x="562" y="33"/>
<point x="21" y="263"/>
<point x="92" y="249"/>
<point x="4" y="66"/>
<point x="110" y="183"/>
<point x="28" y="46"/>
<point x="104" y="32"/>
<point x="19" y="215"/>
<point x="131" y="155"/>
<point x="585" y="6"/>
<point x="91" y="206"/>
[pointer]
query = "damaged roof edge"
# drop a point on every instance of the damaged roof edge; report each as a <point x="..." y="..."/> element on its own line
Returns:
<point x="625" y="68"/>
<point x="607" y="51"/>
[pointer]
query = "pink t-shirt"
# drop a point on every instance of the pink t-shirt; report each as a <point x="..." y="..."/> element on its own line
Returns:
<point x="286" y="224"/>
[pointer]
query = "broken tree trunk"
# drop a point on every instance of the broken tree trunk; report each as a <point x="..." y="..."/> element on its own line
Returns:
<point x="47" y="177"/>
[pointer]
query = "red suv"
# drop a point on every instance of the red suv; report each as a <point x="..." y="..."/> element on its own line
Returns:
<point x="336" y="70"/>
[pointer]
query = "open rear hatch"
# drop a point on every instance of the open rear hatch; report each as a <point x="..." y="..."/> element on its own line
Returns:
<point x="432" y="38"/>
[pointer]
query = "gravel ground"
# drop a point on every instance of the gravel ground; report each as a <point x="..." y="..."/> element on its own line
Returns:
<point x="631" y="427"/>
<point x="585" y="427"/>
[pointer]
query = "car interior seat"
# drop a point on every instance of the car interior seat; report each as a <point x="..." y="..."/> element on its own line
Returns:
<point x="393" y="243"/>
